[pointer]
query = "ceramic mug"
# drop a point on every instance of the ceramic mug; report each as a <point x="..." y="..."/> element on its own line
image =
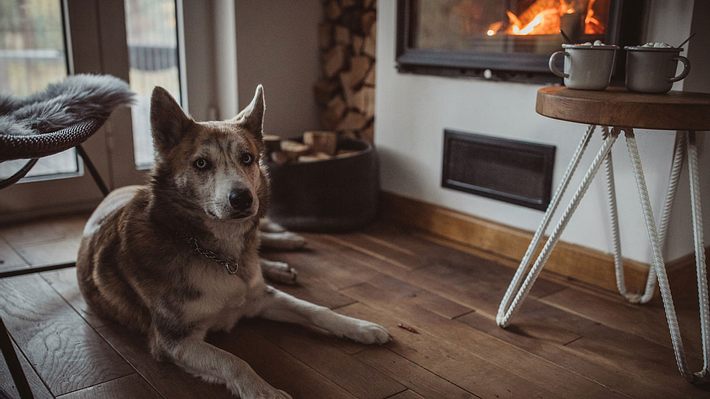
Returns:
<point x="585" y="67"/>
<point x="652" y="69"/>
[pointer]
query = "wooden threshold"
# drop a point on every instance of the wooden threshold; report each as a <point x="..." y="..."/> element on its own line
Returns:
<point x="568" y="260"/>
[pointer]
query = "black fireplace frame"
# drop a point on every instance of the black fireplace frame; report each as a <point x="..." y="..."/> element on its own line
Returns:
<point x="624" y="28"/>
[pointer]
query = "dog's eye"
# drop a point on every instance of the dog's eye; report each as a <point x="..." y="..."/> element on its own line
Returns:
<point x="246" y="158"/>
<point x="201" y="163"/>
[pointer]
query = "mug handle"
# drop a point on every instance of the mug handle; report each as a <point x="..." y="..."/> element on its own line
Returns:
<point x="686" y="69"/>
<point x="553" y="67"/>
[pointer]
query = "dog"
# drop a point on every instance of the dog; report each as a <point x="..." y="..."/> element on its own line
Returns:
<point x="178" y="257"/>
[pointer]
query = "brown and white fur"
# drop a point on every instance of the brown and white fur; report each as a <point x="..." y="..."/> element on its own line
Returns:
<point x="136" y="267"/>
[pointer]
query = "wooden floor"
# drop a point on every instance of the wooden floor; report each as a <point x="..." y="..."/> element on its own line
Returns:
<point x="567" y="341"/>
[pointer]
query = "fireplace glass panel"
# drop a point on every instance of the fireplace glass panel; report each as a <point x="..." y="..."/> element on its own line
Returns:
<point x="500" y="27"/>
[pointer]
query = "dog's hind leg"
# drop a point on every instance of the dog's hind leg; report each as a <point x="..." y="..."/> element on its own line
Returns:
<point x="278" y="272"/>
<point x="280" y="306"/>
<point x="267" y="225"/>
<point x="284" y="241"/>
<point x="274" y="236"/>
<point x="215" y="365"/>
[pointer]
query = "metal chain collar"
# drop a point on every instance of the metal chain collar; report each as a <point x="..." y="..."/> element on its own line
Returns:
<point x="228" y="263"/>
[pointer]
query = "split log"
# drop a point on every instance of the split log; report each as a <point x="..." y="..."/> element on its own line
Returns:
<point x="359" y="66"/>
<point x="357" y="44"/>
<point x="321" y="141"/>
<point x="353" y="121"/>
<point x="367" y="20"/>
<point x="370" y="45"/>
<point x="364" y="101"/>
<point x="272" y="143"/>
<point x="333" y="10"/>
<point x="324" y="91"/>
<point x="333" y="112"/>
<point x="325" y="35"/>
<point x="279" y="157"/>
<point x="319" y="156"/>
<point x="368" y="133"/>
<point x="333" y="61"/>
<point x="346" y="84"/>
<point x="294" y="149"/>
<point x="370" y="78"/>
<point x="345" y="94"/>
<point x="342" y="35"/>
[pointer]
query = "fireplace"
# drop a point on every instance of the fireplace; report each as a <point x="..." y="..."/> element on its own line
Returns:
<point x="505" y="39"/>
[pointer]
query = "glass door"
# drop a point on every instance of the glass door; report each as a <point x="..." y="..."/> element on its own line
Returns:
<point x="42" y="41"/>
<point x="39" y="45"/>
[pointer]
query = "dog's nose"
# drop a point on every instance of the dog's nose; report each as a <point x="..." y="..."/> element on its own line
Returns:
<point x="240" y="199"/>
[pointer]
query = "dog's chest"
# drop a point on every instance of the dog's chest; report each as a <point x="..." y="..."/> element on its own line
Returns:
<point x="221" y="294"/>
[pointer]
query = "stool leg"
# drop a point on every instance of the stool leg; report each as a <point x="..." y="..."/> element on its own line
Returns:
<point x="507" y="306"/>
<point x="697" y="211"/>
<point x="554" y="202"/>
<point x="92" y="170"/>
<point x="13" y="364"/>
<point x="679" y="150"/>
<point x="657" y="257"/>
<point x="614" y="223"/>
<point x="676" y="167"/>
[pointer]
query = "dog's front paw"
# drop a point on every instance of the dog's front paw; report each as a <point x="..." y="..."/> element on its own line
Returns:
<point x="271" y="393"/>
<point x="285" y="241"/>
<point x="260" y="389"/>
<point x="279" y="272"/>
<point x="368" y="333"/>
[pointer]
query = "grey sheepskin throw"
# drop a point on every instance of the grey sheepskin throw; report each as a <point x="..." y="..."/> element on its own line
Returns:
<point x="76" y="99"/>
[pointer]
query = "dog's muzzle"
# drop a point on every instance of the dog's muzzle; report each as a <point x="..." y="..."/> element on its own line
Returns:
<point x="241" y="200"/>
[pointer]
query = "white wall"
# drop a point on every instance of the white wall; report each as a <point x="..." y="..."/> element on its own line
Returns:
<point x="199" y="50"/>
<point x="277" y="45"/>
<point x="413" y="110"/>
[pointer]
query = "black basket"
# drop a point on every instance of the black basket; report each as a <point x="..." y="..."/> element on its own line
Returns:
<point x="332" y="195"/>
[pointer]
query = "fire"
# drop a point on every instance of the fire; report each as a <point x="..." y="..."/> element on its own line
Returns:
<point x="544" y="17"/>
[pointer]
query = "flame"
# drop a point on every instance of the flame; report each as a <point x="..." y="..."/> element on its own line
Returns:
<point x="543" y="17"/>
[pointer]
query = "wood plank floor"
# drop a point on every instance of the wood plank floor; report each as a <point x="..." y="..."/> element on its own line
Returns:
<point x="566" y="342"/>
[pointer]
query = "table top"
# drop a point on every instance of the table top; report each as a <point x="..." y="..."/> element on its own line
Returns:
<point x="618" y="107"/>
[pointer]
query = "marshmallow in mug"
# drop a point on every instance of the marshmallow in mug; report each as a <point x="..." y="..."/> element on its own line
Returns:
<point x="596" y="43"/>
<point x="657" y="45"/>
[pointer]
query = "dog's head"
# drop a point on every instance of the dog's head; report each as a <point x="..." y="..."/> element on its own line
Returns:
<point x="213" y="169"/>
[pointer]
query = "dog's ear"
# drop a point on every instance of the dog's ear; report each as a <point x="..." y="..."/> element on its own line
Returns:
<point x="167" y="120"/>
<point x="252" y="116"/>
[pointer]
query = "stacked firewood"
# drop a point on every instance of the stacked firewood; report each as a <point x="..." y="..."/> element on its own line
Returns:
<point x="316" y="146"/>
<point x="346" y="90"/>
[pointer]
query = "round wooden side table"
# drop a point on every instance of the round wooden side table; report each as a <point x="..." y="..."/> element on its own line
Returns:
<point x="617" y="111"/>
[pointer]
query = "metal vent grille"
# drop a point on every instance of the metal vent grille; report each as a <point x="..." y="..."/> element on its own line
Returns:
<point x="513" y="171"/>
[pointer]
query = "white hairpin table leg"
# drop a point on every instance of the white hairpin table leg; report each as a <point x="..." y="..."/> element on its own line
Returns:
<point x="701" y="267"/>
<point x="519" y="287"/>
<point x="676" y="167"/>
<point x="658" y="263"/>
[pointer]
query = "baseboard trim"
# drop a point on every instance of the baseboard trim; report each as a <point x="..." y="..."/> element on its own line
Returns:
<point x="568" y="260"/>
